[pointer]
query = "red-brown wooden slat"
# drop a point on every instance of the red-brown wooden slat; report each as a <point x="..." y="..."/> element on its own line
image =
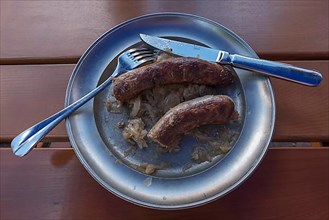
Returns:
<point x="59" y="31"/>
<point x="290" y="183"/>
<point x="30" y="94"/>
<point x="302" y="111"/>
<point x="39" y="90"/>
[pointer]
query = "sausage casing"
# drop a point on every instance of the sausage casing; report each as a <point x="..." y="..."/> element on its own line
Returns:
<point x="210" y="109"/>
<point x="169" y="71"/>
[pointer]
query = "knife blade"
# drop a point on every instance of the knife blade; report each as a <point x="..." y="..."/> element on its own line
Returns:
<point x="276" y="69"/>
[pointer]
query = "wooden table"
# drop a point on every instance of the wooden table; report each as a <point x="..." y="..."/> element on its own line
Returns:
<point x="42" y="40"/>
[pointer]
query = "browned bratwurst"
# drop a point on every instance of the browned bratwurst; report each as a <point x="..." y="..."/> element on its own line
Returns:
<point x="210" y="109"/>
<point x="173" y="70"/>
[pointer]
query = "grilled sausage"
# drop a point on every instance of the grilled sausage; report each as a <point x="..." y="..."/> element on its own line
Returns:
<point x="210" y="109"/>
<point x="173" y="70"/>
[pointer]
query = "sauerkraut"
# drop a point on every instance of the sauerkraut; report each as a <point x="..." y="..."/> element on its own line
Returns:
<point x="134" y="131"/>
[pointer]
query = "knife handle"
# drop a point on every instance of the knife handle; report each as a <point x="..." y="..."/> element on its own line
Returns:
<point x="276" y="69"/>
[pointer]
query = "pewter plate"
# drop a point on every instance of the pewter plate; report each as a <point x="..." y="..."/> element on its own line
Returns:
<point x="99" y="145"/>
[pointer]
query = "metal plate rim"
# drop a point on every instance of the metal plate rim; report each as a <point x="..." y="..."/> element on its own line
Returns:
<point x="148" y="203"/>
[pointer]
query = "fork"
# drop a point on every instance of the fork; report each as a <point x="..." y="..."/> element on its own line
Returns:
<point x="23" y="143"/>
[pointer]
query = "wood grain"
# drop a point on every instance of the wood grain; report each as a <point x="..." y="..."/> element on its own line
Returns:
<point x="30" y="93"/>
<point x="60" y="31"/>
<point x="302" y="112"/>
<point x="290" y="184"/>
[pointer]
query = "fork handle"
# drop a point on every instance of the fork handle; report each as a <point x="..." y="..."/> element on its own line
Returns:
<point x="23" y="143"/>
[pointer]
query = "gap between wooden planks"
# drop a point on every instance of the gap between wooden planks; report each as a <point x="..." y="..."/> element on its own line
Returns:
<point x="290" y="183"/>
<point x="30" y="93"/>
<point x="56" y="30"/>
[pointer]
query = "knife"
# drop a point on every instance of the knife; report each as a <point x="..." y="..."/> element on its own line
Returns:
<point x="276" y="69"/>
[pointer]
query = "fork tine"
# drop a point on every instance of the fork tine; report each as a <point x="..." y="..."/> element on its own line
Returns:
<point x="132" y="50"/>
<point x="137" y="53"/>
<point x="141" y="54"/>
<point x="148" y="59"/>
<point x="144" y="56"/>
